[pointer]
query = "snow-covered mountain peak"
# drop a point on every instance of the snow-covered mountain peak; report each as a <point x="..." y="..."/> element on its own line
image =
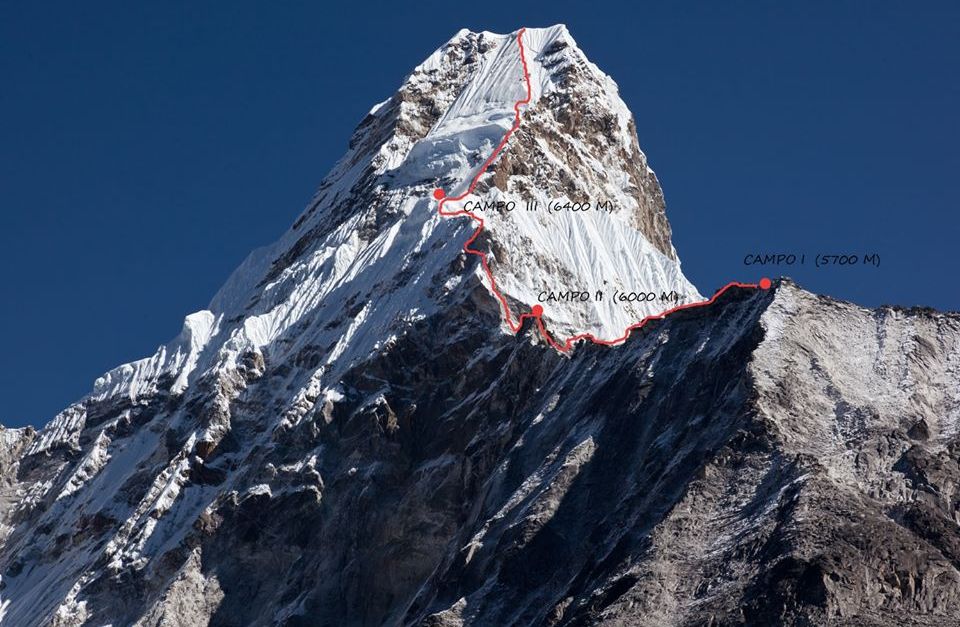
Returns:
<point x="351" y="432"/>
<point x="370" y="256"/>
<point x="370" y="253"/>
<point x="596" y="229"/>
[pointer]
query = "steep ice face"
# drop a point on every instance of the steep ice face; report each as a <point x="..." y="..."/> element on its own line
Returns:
<point x="575" y="152"/>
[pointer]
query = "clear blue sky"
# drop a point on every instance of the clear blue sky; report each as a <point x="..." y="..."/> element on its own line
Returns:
<point x="144" y="150"/>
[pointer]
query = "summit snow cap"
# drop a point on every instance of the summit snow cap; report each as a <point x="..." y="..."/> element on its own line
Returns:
<point x="591" y="242"/>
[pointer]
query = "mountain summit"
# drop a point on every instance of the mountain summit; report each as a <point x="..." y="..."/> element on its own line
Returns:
<point x="370" y="253"/>
<point x="353" y="433"/>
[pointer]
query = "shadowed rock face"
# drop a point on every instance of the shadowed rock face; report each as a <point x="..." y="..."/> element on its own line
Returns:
<point x="348" y="436"/>
<point x="738" y="464"/>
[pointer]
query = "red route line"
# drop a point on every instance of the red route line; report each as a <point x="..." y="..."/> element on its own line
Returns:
<point x="536" y="313"/>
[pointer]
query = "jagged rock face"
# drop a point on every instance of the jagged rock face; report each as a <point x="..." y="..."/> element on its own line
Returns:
<point x="348" y="436"/>
<point x="575" y="142"/>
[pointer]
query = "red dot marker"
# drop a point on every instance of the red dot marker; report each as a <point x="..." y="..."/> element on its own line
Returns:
<point x="537" y="310"/>
<point x="765" y="283"/>
<point x="439" y="194"/>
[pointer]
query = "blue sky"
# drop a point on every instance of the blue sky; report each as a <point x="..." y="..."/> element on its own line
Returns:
<point x="146" y="149"/>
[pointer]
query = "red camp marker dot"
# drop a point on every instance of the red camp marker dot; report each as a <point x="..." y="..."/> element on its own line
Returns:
<point x="439" y="194"/>
<point x="537" y="310"/>
<point x="765" y="283"/>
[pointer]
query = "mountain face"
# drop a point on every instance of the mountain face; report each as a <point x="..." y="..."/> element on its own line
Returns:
<point x="351" y="434"/>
